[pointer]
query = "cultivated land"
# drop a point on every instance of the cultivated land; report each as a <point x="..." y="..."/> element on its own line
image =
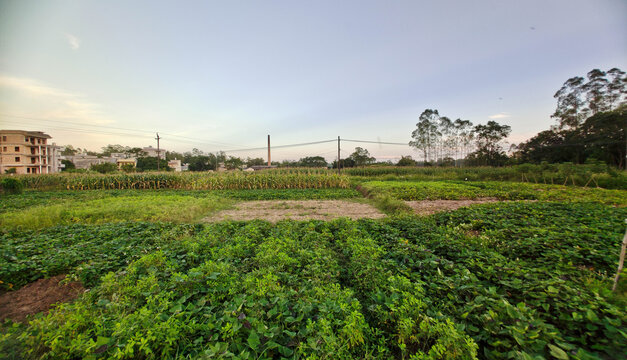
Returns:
<point x="151" y="278"/>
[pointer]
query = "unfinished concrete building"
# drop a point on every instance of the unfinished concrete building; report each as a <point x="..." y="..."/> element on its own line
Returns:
<point x="28" y="152"/>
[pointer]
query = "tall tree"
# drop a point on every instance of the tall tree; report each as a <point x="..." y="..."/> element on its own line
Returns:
<point x="570" y="105"/>
<point x="488" y="140"/>
<point x="617" y="88"/>
<point x="445" y="132"/>
<point x="426" y="133"/>
<point x="596" y="91"/>
<point x="313" y="161"/>
<point x="604" y="136"/>
<point x="465" y="134"/>
<point x="361" y="157"/>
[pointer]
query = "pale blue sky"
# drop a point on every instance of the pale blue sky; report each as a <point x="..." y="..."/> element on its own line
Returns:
<point x="231" y="72"/>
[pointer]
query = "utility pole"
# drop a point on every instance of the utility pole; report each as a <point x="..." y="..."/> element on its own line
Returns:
<point x="269" y="162"/>
<point x="158" y="152"/>
<point x="338" y="155"/>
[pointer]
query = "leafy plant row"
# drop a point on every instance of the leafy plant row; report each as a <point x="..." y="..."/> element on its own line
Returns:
<point x="590" y="175"/>
<point x="497" y="281"/>
<point x="454" y="190"/>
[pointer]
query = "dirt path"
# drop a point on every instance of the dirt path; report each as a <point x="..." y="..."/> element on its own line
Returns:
<point x="427" y="207"/>
<point x="276" y="210"/>
<point x="37" y="297"/>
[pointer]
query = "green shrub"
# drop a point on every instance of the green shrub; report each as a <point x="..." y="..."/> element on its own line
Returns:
<point x="11" y="186"/>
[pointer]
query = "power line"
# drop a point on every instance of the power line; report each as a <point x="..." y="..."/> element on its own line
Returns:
<point x="200" y="141"/>
<point x="376" y="142"/>
<point x="282" y="146"/>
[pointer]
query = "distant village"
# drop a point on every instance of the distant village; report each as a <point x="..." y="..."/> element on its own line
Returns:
<point x="31" y="152"/>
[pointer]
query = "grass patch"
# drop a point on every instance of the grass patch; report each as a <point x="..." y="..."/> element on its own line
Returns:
<point x="147" y="207"/>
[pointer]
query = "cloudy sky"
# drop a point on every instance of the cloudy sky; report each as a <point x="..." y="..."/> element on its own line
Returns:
<point x="221" y="75"/>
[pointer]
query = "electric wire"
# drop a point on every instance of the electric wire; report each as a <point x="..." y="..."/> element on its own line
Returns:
<point x="200" y="141"/>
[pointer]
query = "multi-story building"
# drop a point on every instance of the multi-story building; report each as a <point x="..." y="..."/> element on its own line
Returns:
<point x="28" y="152"/>
<point x="153" y="152"/>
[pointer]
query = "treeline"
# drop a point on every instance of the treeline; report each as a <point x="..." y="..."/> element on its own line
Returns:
<point x="591" y="119"/>
<point x="443" y="141"/>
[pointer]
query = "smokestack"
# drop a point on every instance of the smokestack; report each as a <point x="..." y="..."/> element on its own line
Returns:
<point x="269" y="162"/>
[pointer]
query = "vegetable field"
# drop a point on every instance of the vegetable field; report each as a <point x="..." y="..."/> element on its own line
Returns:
<point x="502" y="280"/>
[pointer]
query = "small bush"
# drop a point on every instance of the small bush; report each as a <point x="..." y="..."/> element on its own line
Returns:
<point x="11" y="186"/>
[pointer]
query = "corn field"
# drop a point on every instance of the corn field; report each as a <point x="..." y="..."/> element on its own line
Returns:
<point x="184" y="181"/>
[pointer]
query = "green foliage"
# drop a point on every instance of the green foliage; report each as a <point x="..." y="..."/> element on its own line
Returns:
<point x="128" y="168"/>
<point x="588" y="175"/>
<point x="104" y="168"/>
<point x="312" y="161"/>
<point x="9" y="185"/>
<point x="143" y="207"/>
<point x="10" y="171"/>
<point x="361" y="157"/>
<point x="515" y="280"/>
<point x="68" y="165"/>
<point x="455" y="190"/>
<point x="406" y="161"/>
<point x="30" y="199"/>
<point x="148" y="163"/>
<point x="233" y="162"/>
<point x="601" y="136"/>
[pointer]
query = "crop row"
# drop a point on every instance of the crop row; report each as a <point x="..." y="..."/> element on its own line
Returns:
<point x="553" y="174"/>
<point x="188" y="181"/>
<point x="499" y="281"/>
<point x="454" y="190"/>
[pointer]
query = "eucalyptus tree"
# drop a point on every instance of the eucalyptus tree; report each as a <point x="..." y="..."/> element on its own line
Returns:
<point x="570" y="105"/>
<point x="596" y="91"/>
<point x="465" y="136"/>
<point x="617" y="88"/>
<point x="445" y="129"/>
<point x="426" y="134"/>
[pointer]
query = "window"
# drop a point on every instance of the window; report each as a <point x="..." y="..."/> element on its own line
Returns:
<point x="17" y="159"/>
<point x="4" y="138"/>
<point x="38" y="141"/>
<point x="32" y="160"/>
<point x="4" y="149"/>
<point x="17" y="148"/>
<point x="28" y="170"/>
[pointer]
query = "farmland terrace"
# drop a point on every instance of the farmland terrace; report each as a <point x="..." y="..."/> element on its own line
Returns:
<point x="295" y="264"/>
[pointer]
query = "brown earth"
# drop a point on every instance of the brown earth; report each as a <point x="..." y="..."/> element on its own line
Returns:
<point x="427" y="207"/>
<point x="276" y="210"/>
<point x="37" y="297"/>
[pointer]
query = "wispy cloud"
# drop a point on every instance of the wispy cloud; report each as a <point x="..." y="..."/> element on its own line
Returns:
<point x="74" y="42"/>
<point x="49" y="102"/>
<point x="501" y="115"/>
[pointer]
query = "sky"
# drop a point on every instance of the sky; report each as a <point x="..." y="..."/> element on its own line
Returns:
<point x="222" y="75"/>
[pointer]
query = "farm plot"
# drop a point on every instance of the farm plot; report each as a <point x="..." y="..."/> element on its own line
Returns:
<point x="502" y="280"/>
<point x="428" y="207"/>
<point x="460" y="190"/>
<point x="36" y="210"/>
<point x="274" y="211"/>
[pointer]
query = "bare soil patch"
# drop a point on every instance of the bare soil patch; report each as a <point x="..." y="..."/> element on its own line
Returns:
<point x="37" y="297"/>
<point x="427" y="207"/>
<point x="276" y="210"/>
